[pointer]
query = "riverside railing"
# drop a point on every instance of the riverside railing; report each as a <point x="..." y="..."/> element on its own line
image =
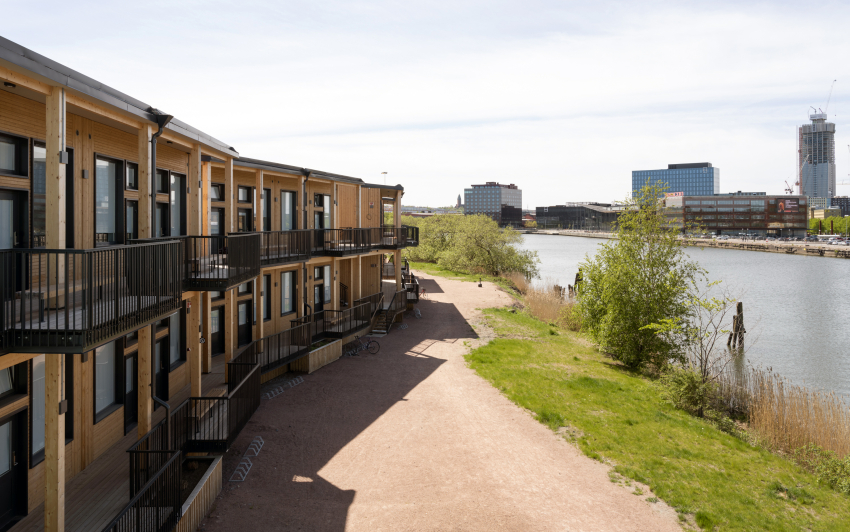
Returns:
<point x="67" y="301"/>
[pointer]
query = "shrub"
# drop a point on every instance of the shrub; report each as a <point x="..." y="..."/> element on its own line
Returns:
<point x="826" y="466"/>
<point x="685" y="389"/>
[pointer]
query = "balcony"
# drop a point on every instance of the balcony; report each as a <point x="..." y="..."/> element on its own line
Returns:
<point x="393" y="237"/>
<point x="349" y="241"/>
<point x="216" y="262"/>
<point x="281" y="247"/>
<point x="70" y="301"/>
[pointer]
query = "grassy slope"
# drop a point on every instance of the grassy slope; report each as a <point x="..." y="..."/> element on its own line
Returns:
<point x="619" y="417"/>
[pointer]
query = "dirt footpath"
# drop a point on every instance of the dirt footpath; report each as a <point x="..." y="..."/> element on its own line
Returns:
<point x="412" y="439"/>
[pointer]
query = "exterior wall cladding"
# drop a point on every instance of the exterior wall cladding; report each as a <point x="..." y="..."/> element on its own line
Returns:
<point x="502" y="203"/>
<point x="691" y="179"/>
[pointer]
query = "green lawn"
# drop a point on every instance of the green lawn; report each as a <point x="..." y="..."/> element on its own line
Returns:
<point x="709" y="477"/>
<point x="435" y="269"/>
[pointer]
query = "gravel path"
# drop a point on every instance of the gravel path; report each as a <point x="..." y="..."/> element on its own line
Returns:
<point x="412" y="439"/>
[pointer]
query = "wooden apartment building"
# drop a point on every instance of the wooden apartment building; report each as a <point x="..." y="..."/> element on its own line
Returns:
<point x="151" y="279"/>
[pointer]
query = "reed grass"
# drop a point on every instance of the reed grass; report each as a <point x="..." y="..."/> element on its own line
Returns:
<point x="547" y="303"/>
<point x="785" y="417"/>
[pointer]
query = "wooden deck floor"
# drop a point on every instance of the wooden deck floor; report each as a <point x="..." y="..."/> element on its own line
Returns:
<point x="97" y="494"/>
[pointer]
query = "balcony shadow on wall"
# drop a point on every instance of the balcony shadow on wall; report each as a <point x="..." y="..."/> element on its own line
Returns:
<point x="306" y="426"/>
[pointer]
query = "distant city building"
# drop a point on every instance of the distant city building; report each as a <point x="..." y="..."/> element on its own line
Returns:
<point x="819" y="203"/>
<point x="414" y="210"/>
<point x="822" y="214"/>
<point x="690" y="179"/>
<point x="816" y="157"/>
<point x="584" y="216"/>
<point x="739" y="193"/>
<point x="734" y="214"/>
<point x="843" y="203"/>
<point x="502" y="203"/>
<point x="459" y="203"/>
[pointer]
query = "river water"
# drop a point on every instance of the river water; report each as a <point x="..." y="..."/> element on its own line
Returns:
<point x="796" y="308"/>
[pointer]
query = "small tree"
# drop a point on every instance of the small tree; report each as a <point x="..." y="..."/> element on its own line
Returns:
<point x="640" y="278"/>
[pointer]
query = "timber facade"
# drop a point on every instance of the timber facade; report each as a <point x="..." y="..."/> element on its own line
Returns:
<point x="151" y="279"/>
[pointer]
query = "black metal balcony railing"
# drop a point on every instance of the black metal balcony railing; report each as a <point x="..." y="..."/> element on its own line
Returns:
<point x="342" y="323"/>
<point x="68" y="301"/>
<point x="393" y="237"/>
<point x="280" y="247"/>
<point x="350" y="241"/>
<point x="375" y="302"/>
<point x="156" y="505"/>
<point x="221" y="262"/>
<point x="281" y="348"/>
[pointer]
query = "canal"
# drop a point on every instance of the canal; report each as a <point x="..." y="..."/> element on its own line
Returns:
<point x="797" y="308"/>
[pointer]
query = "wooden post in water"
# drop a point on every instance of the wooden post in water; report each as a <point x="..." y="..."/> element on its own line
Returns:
<point x="736" y="336"/>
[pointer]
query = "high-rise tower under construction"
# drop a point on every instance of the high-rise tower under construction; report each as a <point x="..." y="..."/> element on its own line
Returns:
<point x="816" y="157"/>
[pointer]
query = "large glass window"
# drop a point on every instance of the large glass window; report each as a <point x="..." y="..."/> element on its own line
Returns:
<point x="287" y="292"/>
<point x="105" y="389"/>
<point x="216" y="192"/>
<point x="216" y="221"/>
<point x="178" y="204"/>
<point x="162" y="182"/>
<point x="267" y="209"/>
<point x="175" y="336"/>
<point x="13" y="155"/>
<point x="6" y="386"/>
<point x="287" y="211"/>
<point x="38" y="404"/>
<point x="327" y="213"/>
<point x="106" y="200"/>
<point x="267" y="297"/>
<point x="328" y="279"/>
<point x="39" y="194"/>
<point x="132" y="176"/>
<point x="244" y="195"/>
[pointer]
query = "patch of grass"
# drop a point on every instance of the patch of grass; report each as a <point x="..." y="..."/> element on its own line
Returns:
<point x="435" y="269"/>
<point x="723" y="482"/>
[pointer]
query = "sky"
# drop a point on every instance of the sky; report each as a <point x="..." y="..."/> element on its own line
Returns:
<point x="563" y="99"/>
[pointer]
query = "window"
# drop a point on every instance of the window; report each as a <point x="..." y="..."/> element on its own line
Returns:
<point x="107" y="212"/>
<point x="38" y="391"/>
<point x="327" y="278"/>
<point x="327" y="213"/>
<point x="216" y="192"/>
<point x="244" y="288"/>
<point x="267" y="209"/>
<point x="13" y="155"/>
<point x="318" y="200"/>
<point x="287" y="292"/>
<point x="287" y="211"/>
<point x="216" y="221"/>
<point x="244" y="195"/>
<point x="176" y="353"/>
<point x="318" y="273"/>
<point x="106" y="380"/>
<point x="7" y="386"/>
<point x="130" y="225"/>
<point x="178" y="204"/>
<point x="132" y="176"/>
<point x="267" y="300"/>
<point x="161" y="224"/>
<point x="39" y="194"/>
<point x="216" y="295"/>
<point x="162" y="182"/>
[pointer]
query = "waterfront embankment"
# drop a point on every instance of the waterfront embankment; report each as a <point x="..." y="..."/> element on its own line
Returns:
<point x="789" y="248"/>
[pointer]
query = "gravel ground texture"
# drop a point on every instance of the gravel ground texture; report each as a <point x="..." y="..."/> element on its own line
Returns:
<point x="412" y="439"/>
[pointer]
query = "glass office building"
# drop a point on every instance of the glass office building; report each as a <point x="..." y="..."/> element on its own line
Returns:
<point x="691" y="179"/>
<point x="502" y="203"/>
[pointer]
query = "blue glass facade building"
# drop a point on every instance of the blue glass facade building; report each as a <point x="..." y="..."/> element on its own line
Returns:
<point x="691" y="179"/>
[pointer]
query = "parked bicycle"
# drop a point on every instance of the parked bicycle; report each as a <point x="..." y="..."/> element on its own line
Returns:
<point x="371" y="345"/>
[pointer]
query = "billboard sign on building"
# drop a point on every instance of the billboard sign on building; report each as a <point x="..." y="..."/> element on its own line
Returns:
<point x="787" y="205"/>
<point x="674" y="194"/>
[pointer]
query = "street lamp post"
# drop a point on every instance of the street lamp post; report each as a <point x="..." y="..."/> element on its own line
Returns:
<point x="385" y="177"/>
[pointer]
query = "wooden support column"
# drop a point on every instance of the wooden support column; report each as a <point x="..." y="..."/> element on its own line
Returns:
<point x="302" y="222"/>
<point x="54" y="445"/>
<point x="359" y="190"/>
<point x="206" y="323"/>
<point x="229" y="324"/>
<point x="145" y="182"/>
<point x="229" y="201"/>
<point x="258" y="212"/>
<point x="350" y="282"/>
<point x="145" y="361"/>
<point x="55" y="171"/>
<point x="260" y="296"/>
<point x="206" y="180"/>
<point x="357" y="284"/>
<point x="397" y="268"/>
<point x="335" y="288"/>
<point x="397" y="209"/>
<point x="193" y="344"/>
<point x="194" y="185"/>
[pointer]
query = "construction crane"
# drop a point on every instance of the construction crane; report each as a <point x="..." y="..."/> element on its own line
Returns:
<point x="788" y="189"/>
<point x="825" y="109"/>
